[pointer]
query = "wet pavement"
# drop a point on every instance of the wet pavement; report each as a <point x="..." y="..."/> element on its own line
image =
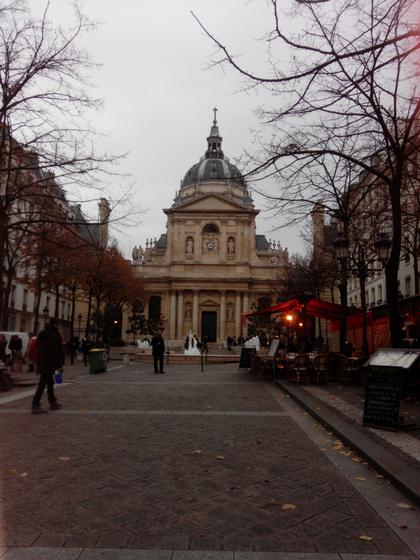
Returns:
<point x="187" y="465"/>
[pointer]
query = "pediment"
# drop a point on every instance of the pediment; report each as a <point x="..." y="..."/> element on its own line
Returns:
<point x="209" y="202"/>
<point x="209" y="303"/>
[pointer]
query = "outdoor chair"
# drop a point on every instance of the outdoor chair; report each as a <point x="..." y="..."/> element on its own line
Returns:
<point x="349" y="370"/>
<point x="300" y="369"/>
<point x="322" y="367"/>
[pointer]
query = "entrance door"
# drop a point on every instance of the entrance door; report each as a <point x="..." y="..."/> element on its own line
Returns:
<point x="209" y="325"/>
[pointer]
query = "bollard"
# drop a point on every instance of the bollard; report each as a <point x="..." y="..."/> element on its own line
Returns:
<point x="126" y="359"/>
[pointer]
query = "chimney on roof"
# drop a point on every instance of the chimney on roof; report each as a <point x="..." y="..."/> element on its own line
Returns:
<point x="104" y="212"/>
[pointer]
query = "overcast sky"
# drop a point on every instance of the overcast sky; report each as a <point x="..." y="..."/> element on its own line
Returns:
<point x="159" y="93"/>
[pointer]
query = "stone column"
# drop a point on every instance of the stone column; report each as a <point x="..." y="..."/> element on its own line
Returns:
<point x="172" y="317"/>
<point x="245" y="308"/>
<point x="195" y="313"/>
<point x="223" y="317"/>
<point x="238" y="315"/>
<point x="245" y="303"/>
<point x="180" y="333"/>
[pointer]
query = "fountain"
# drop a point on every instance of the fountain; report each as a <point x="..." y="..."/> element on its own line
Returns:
<point x="143" y="344"/>
<point x="192" y="349"/>
<point x="253" y="343"/>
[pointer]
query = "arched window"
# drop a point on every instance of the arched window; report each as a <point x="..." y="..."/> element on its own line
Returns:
<point x="210" y="228"/>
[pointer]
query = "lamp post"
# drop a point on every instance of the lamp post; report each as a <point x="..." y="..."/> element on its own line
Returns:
<point x="362" y="269"/>
<point x="45" y="313"/>
<point x="341" y="246"/>
<point x="79" y="322"/>
<point x="289" y="319"/>
<point x="382" y="246"/>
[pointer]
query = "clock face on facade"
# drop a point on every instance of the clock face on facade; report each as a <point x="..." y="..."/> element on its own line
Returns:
<point x="210" y="245"/>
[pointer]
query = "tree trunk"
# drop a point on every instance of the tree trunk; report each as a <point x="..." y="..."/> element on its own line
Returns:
<point x="416" y="269"/>
<point x="343" y="302"/>
<point x="89" y="312"/>
<point x="73" y="310"/>
<point x="38" y="293"/>
<point x="365" y="344"/>
<point x="343" y="316"/>
<point x="6" y="295"/>
<point x="3" y="234"/>
<point x="391" y="270"/>
<point x="57" y="302"/>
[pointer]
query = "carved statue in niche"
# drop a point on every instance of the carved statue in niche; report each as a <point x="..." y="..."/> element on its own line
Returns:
<point x="229" y="312"/>
<point x="188" y="311"/>
<point x="231" y="246"/>
<point x="189" y="246"/>
<point x="210" y="243"/>
<point x="210" y="239"/>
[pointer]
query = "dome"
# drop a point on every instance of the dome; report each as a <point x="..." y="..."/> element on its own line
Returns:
<point x="214" y="166"/>
<point x="210" y="169"/>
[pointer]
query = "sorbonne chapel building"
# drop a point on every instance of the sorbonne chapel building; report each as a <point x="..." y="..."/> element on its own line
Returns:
<point x="210" y="266"/>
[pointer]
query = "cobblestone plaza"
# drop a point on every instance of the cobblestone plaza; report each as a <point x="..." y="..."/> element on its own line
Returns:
<point x="187" y="464"/>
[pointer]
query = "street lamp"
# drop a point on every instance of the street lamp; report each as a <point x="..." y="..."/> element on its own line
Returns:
<point x="382" y="246"/>
<point x="341" y="246"/>
<point x="289" y="318"/>
<point x="45" y="313"/>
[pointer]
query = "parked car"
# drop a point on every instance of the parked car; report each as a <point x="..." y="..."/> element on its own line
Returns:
<point x="24" y="336"/>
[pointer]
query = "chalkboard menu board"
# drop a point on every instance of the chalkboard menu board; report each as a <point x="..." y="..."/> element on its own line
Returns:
<point x="245" y="358"/>
<point x="274" y="346"/>
<point x="382" y="398"/>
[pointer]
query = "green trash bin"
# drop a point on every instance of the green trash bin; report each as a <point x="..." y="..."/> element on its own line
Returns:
<point x="97" y="360"/>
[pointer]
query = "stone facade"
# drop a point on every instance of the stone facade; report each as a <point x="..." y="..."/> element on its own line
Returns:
<point x="210" y="266"/>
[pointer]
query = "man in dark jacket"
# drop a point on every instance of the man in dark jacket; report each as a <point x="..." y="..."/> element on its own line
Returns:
<point x="50" y="358"/>
<point x="158" y="348"/>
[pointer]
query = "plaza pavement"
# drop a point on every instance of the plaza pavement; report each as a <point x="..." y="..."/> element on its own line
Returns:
<point x="213" y="466"/>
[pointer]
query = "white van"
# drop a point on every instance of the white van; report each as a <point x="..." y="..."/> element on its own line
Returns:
<point x="24" y="336"/>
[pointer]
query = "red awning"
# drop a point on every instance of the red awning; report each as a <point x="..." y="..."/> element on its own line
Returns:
<point x="314" y="308"/>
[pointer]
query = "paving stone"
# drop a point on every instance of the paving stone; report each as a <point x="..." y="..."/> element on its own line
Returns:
<point x="377" y="557"/>
<point x="126" y="480"/>
<point x="125" y="554"/>
<point x="81" y="539"/>
<point x="205" y="541"/>
<point x="22" y="538"/>
<point x="50" y="539"/>
<point x="41" y="553"/>
<point x="114" y="539"/>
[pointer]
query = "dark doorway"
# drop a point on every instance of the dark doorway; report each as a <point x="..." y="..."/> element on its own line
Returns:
<point x="209" y="325"/>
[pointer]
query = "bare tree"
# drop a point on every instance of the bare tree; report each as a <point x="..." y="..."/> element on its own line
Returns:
<point x="44" y="108"/>
<point x="352" y="77"/>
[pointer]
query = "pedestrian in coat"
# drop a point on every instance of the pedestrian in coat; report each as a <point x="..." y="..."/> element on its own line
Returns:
<point x="49" y="358"/>
<point x="158" y="349"/>
<point x="85" y="348"/>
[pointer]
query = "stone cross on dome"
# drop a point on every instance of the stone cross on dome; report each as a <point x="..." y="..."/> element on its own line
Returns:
<point x="214" y="141"/>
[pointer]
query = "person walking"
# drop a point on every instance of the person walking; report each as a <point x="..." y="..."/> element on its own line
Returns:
<point x="85" y="348"/>
<point x="158" y="348"/>
<point x="49" y="358"/>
